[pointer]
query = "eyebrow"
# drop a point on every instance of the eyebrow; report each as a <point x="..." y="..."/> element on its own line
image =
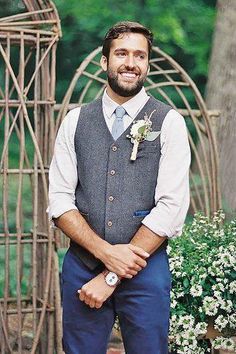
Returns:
<point x="126" y="50"/>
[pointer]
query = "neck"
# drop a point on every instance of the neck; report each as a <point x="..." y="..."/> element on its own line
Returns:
<point x="115" y="97"/>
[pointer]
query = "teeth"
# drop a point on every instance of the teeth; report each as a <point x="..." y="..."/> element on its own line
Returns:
<point x="128" y="75"/>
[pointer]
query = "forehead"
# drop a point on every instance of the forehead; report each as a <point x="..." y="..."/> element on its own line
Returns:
<point x="130" y="41"/>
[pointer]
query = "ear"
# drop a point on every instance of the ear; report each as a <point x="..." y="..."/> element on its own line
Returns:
<point x="103" y="62"/>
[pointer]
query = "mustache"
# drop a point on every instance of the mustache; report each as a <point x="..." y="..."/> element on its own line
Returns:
<point x="128" y="69"/>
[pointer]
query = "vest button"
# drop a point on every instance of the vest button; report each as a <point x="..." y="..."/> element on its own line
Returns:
<point x="112" y="172"/>
<point x="109" y="223"/>
<point x="114" y="148"/>
<point x="111" y="198"/>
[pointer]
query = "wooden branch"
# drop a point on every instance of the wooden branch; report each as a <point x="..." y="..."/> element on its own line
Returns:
<point x="24" y="15"/>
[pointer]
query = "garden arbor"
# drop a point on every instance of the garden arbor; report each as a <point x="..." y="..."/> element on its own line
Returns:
<point x="29" y="292"/>
<point x="29" y="119"/>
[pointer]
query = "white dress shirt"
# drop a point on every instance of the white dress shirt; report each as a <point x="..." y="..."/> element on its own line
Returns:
<point x="172" y="188"/>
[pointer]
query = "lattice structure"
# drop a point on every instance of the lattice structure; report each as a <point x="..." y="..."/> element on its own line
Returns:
<point x="28" y="292"/>
<point x="168" y="82"/>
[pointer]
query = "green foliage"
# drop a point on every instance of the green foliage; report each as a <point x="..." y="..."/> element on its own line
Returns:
<point x="182" y="28"/>
<point x="12" y="190"/>
<point x="15" y="274"/>
<point x="203" y="265"/>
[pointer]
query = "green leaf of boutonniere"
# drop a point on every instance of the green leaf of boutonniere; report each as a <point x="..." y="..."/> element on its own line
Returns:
<point x="152" y="136"/>
<point x="141" y="130"/>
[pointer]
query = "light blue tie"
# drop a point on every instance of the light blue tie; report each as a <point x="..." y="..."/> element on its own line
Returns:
<point x="118" y="125"/>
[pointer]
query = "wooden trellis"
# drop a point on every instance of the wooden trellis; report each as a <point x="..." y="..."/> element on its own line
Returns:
<point x="29" y="294"/>
<point x="30" y="315"/>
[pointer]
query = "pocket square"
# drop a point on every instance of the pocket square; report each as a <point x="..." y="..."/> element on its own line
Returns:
<point x="141" y="212"/>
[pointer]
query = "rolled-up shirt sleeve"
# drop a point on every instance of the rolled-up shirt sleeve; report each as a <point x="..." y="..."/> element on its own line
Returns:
<point x="63" y="177"/>
<point x="172" y="189"/>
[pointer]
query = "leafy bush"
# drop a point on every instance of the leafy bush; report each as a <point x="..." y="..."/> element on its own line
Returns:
<point x="203" y="266"/>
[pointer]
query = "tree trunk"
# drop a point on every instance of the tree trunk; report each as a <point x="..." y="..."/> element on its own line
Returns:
<point x="221" y="94"/>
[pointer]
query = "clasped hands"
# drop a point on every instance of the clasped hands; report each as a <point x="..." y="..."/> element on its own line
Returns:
<point x="126" y="260"/>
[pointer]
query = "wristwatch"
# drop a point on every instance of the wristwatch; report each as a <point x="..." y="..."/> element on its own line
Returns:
<point x="111" y="278"/>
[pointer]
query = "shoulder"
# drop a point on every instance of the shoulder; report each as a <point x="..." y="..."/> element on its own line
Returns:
<point x="69" y="123"/>
<point x="174" y="127"/>
<point x="174" y="119"/>
<point x="159" y="104"/>
<point x="96" y="104"/>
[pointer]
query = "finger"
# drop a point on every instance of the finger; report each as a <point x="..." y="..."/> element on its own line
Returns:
<point x="132" y="272"/>
<point x="87" y="300"/>
<point x="128" y="276"/>
<point x="98" y="304"/>
<point x="135" y="268"/>
<point x="92" y="303"/>
<point x="125" y="273"/>
<point x="139" y="251"/>
<point x="81" y="295"/>
<point x="140" y="262"/>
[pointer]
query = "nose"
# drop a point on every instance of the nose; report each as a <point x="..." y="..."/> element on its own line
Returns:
<point x="130" y="61"/>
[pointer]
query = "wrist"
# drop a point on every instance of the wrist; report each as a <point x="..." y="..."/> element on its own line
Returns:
<point x="101" y="251"/>
<point x="111" y="278"/>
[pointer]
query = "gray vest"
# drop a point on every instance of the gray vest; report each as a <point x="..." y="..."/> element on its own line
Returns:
<point x="114" y="194"/>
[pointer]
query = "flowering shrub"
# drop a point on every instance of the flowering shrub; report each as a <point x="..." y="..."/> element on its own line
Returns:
<point x="203" y="266"/>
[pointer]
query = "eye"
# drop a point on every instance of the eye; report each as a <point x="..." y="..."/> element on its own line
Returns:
<point x="120" y="54"/>
<point x="141" y="56"/>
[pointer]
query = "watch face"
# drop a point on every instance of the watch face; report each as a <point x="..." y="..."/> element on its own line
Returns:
<point x="111" y="278"/>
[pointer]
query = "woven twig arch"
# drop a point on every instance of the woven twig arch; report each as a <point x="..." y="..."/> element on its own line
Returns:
<point x="169" y="82"/>
<point x="27" y="98"/>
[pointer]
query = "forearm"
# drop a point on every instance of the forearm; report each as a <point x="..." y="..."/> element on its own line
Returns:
<point x="147" y="239"/>
<point x="123" y="259"/>
<point x="77" y="229"/>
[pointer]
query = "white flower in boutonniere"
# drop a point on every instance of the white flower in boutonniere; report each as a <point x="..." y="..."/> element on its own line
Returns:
<point x="141" y="130"/>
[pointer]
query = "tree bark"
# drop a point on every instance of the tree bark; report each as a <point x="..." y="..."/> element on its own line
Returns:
<point x="221" y="94"/>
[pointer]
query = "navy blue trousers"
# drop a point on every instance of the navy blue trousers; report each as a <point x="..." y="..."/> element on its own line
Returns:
<point x="142" y="305"/>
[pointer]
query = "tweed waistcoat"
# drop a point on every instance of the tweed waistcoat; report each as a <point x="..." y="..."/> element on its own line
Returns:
<point x="113" y="193"/>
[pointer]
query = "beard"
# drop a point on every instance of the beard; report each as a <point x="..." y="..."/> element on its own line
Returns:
<point x="122" y="89"/>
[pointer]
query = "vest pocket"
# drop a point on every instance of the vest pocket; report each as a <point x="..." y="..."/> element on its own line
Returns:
<point x="141" y="213"/>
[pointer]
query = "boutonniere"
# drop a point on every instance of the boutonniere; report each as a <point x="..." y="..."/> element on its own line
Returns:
<point x="141" y="130"/>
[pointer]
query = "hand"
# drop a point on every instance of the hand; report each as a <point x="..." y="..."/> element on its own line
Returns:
<point x="125" y="260"/>
<point x="95" y="292"/>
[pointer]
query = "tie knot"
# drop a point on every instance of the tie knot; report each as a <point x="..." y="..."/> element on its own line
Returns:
<point x="120" y="112"/>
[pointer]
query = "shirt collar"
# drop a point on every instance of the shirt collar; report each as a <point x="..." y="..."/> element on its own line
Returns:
<point x="132" y="106"/>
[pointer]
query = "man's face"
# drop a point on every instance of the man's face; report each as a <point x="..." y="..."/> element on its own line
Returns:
<point x="127" y="66"/>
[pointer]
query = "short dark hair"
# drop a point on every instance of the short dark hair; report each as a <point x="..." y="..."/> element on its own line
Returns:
<point x="122" y="28"/>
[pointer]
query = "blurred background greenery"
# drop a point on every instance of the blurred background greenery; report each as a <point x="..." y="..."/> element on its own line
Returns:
<point x="182" y="28"/>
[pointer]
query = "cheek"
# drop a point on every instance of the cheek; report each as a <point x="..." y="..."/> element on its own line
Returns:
<point x="144" y="71"/>
<point x="144" y="68"/>
<point x="115" y="66"/>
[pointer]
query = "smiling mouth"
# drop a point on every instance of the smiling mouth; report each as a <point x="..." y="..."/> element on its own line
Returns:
<point x="128" y="75"/>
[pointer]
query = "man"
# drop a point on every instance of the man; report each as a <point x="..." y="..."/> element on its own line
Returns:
<point x="119" y="212"/>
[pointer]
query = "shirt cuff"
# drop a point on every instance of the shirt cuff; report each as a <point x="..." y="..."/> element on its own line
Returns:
<point x="160" y="229"/>
<point x="53" y="214"/>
